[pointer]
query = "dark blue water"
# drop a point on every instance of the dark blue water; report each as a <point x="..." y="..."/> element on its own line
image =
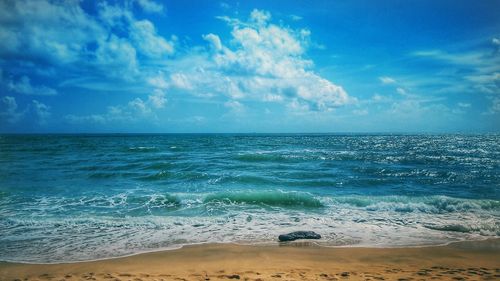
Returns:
<point x="69" y="198"/>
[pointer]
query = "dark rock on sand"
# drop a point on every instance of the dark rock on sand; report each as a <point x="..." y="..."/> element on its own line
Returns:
<point x="299" y="235"/>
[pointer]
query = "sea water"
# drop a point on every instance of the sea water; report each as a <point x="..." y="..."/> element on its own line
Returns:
<point x="82" y="197"/>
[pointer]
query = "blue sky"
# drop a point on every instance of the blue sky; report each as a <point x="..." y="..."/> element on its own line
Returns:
<point x="249" y="66"/>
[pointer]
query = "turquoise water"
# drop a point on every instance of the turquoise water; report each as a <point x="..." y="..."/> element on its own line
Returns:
<point x="83" y="197"/>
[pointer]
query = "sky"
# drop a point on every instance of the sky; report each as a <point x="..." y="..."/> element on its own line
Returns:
<point x="193" y="66"/>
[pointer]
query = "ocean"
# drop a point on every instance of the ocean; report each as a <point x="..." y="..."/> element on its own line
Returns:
<point x="66" y="198"/>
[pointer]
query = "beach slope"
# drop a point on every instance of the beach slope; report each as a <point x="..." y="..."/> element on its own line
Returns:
<point x="295" y="261"/>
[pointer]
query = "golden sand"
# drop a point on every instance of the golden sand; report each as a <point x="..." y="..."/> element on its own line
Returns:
<point x="295" y="261"/>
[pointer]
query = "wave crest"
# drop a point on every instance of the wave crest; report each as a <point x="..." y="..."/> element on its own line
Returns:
<point x="271" y="198"/>
<point x="425" y="204"/>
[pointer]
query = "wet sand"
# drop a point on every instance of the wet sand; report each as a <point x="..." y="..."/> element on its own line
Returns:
<point x="295" y="261"/>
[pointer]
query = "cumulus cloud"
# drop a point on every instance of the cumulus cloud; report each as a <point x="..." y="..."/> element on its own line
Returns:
<point x="24" y="86"/>
<point x="401" y="91"/>
<point x="103" y="51"/>
<point x="214" y="40"/>
<point x="133" y="111"/>
<point x="137" y="108"/>
<point x="262" y="61"/>
<point x="145" y="38"/>
<point x="158" y="81"/>
<point x="63" y="37"/>
<point x="51" y="32"/>
<point x="157" y="99"/>
<point x="106" y="49"/>
<point x="41" y="111"/>
<point x="141" y="34"/>
<point x="260" y="17"/>
<point x="235" y="106"/>
<point x="387" y="80"/>
<point x="494" y="107"/>
<point x="9" y="111"/>
<point x="93" y="118"/>
<point x="12" y="114"/>
<point x="117" y="57"/>
<point x="181" y="81"/>
<point x="360" y="112"/>
<point x="150" y="6"/>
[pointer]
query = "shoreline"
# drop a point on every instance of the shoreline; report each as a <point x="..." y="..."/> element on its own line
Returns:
<point x="311" y="243"/>
<point x="303" y="260"/>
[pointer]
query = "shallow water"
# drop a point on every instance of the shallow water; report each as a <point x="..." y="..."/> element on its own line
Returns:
<point x="81" y="197"/>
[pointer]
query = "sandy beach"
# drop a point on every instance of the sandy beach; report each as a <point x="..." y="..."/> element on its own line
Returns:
<point x="293" y="261"/>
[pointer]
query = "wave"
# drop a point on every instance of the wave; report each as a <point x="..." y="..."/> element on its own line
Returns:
<point x="450" y="227"/>
<point x="270" y="198"/>
<point x="157" y="166"/>
<point x="262" y="157"/>
<point x="426" y="204"/>
<point x="245" y="179"/>
<point x="484" y="229"/>
<point x="111" y="174"/>
<point x="162" y="175"/>
<point x="122" y="200"/>
<point x="142" y="149"/>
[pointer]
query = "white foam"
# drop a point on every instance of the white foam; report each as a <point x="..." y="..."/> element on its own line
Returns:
<point x="391" y="221"/>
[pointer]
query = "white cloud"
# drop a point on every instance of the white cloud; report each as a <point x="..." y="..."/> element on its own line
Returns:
<point x="214" y="40"/>
<point x="181" y="81"/>
<point x="114" y="16"/>
<point x="295" y="17"/>
<point x="60" y="36"/>
<point x="235" y="106"/>
<point x="158" y="81"/>
<point x="133" y="111"/>
<point x="401" y="91"/>
<point x="263" y="62"/>
<point x="360" y="112"/>
<point x="297" y="106"/>
<point x="55" y="32"/>
<point x="494" y="107"/>
<point x="474" y="71"/>
<point x="470" y="58"/>
<point x="9" y="110"/>
<point x="139" y="106"/>
<point x="387" y="80"/>
<point x="496" y="45"/>
<point x="463" y="105"/>
<point x="41" y="112"/>
<point x="24" y="86"/>
<point x="260" y="17"/>
<point x="273" y="98"/>
<point x="157" y="99"/>
<point x="118" y="58"/>
<point x="145" y="38"/>
<point x="378" y="98"/>
<point x="482" y="61"/>
<point x="150" y="6"/>
<point x="94" y="118"/>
